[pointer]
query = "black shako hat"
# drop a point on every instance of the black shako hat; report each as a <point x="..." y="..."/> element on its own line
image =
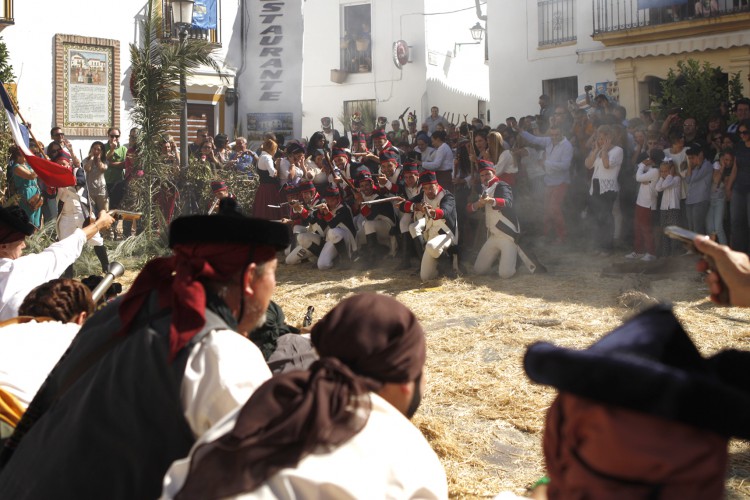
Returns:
<point x="650" y="365"/>
<point x="227" y="228"/>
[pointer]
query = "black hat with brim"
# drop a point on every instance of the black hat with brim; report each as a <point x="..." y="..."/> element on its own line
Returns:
<point x="650" y="365"/>
<point x="16" y="223"/>
<point x="212" y="229"/>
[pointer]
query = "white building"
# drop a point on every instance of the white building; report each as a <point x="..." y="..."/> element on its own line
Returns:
<point x="556" y="47"/>
<point x="31" y="32"/>
<point x="79" y="58"/>
<point x="349" y="60"/>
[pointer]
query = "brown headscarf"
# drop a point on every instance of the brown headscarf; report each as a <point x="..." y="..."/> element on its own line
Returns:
<point x="365" y="341"/>
<point x="594" y="450"/>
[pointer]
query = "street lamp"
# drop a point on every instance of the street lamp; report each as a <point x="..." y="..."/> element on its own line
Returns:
<point x="477" y="31"/>
<point x="182" y="19"/>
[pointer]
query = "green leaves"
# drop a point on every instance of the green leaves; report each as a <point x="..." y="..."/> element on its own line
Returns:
<point x="697" y="88"/>
<point x="157" y="64"/>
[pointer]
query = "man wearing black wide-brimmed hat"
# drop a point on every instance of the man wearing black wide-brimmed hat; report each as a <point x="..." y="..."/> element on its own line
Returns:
<point x="153" y="370"/>
<point x="640" y="413"/>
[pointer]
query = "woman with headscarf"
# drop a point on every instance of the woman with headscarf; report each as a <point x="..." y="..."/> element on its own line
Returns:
<point x="268" y="189"/>
<point x="339" y="429"/>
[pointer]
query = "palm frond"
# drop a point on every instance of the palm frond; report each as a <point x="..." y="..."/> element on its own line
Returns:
<point x="157" y="66"/>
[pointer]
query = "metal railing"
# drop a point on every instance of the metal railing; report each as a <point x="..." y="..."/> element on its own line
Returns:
<point x="170" y="33"/>
<point x="617" y="15"/>
<point x="557" y="22"/>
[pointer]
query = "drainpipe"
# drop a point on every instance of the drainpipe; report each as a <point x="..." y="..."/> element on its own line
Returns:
<point x="479" y="12"/>
<point x="243" y="47"/>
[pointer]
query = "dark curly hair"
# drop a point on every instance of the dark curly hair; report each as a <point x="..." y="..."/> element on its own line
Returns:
<point x="60" y="299"/>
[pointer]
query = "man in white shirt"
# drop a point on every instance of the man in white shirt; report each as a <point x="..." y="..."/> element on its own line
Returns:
<point x="434" y="120"/>
<point x="20" y="274"/>
<point x="152" y="371"/>
<point x="337" y="430"/>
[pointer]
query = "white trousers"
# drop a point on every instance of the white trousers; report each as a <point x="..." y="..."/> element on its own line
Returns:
<point x="434" y="248"/>
<point x="329" y="252"/>
<point x="405" y="221"/>
<point x="301" y="252"/>
<point x="497" y="244"/>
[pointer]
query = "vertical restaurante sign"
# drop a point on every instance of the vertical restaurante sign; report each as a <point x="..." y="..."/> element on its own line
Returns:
<point x="274" y="70"/>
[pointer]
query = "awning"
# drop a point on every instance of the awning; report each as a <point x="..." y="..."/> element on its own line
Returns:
<point x="207" y="81"/>
<point x="664" y="48"/>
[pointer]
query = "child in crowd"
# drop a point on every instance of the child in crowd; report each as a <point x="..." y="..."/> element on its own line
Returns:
<point x="647" y="175"/>
<point x="715" y="217"/>
<point x="669" y="184"/>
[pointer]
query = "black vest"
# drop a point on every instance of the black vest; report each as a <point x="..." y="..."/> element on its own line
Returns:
<point x="108" y="421"/>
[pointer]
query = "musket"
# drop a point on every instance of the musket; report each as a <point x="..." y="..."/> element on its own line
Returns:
<point x="381" y="200"/>
<point x="327" y="153"/>
<point x="282" y="204"/>
<point x="403" y="122"/>
<point x="127" y="215"/>
<point x="213" y="206"/>
<point x="453" y="116"/>
<point x="115" y="270"/>
<point x="472" y="153"/>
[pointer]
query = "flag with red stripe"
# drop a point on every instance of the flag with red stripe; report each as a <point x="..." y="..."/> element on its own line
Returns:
<point x="51" y="173"/>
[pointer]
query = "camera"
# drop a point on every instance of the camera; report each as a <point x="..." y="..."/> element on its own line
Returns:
<point x="588" y="88"/>
<point x="675" y="111"/>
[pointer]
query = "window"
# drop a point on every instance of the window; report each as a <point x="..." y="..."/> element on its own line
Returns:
<point x="356" y="43"/>
<point x="556" y="22"/>
<point x="366" y="110"/>
<point x="560" y="90"/>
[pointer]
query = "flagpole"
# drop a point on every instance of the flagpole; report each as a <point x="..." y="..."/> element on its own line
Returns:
<point x="18" y="113"/>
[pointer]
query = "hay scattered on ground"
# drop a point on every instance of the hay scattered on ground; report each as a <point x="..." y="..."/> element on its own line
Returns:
<point x="480" y="413"/>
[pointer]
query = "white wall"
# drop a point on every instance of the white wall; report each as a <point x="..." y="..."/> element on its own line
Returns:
<point x="518" y="65"/>
<point x="394" y="89"/>
<point x="453" y="83"/>
<point x="31" y="46"/>
<point x="457" y="75"/>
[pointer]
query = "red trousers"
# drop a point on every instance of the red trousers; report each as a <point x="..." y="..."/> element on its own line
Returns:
<point x="553" y="211"/>
<point x="644" y="233"/>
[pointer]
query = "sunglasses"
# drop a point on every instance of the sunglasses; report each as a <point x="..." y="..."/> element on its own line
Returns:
<point x="114" y="136"/>
<point x="744" y="132"/>
<point x="57" y="134"/>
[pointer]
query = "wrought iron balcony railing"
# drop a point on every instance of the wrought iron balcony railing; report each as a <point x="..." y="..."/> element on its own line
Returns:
<point x="618" y="15"/>
<point x="557" y="22"/>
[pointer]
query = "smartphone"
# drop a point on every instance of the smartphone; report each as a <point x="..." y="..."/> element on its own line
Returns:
<point x="688" y="238"/>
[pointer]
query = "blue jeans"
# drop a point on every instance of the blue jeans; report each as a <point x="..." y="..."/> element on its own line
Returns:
<point x="696" y="216"/>
<point x="715" y="220"/>
<point x="739" y="218"/>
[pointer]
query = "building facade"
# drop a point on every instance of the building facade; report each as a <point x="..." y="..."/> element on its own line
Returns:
<point x="70" y="58"/>
<point x="622" y="47"/>
<point x="351" y="60"/>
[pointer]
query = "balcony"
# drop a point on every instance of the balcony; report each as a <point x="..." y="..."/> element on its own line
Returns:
<point x="170" y="33"/>
<point x="6" y="13"/>
<point x="619" y="22"/>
